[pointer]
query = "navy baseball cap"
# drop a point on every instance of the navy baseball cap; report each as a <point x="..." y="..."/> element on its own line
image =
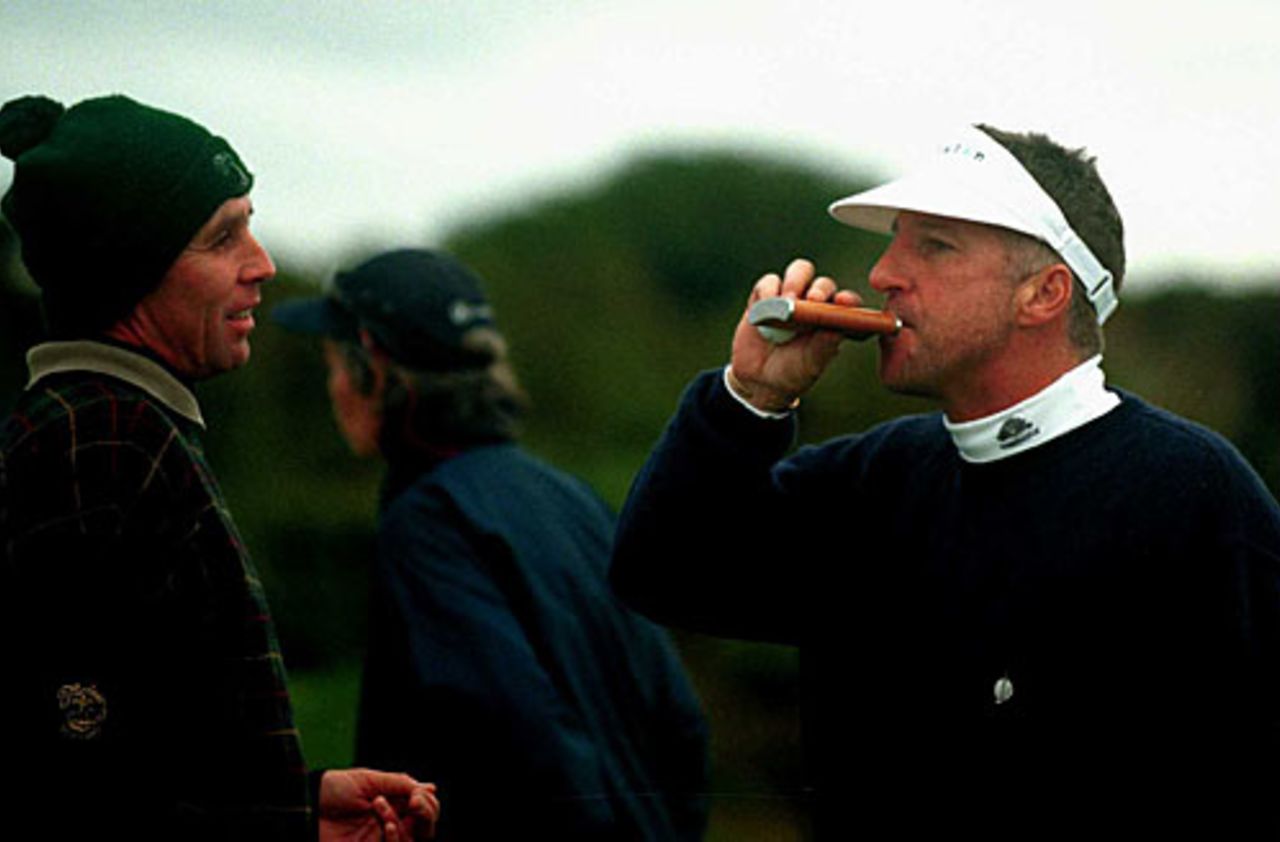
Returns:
<point x="416" y="304"/>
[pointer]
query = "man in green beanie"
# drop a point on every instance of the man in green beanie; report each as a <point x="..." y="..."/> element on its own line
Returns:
<point x="145" y="691"/>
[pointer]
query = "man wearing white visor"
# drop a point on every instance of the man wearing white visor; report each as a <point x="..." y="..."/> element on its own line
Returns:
<point x="1049" y="609"/>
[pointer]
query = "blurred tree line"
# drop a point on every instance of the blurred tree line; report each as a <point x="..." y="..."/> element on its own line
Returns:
<point x="612" y="297"/>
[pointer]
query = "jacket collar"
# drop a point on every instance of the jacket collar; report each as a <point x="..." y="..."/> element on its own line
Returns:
<point x="87" y="355"/>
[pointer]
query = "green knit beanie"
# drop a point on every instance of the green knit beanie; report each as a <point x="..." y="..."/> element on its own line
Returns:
<point x="105" y="196"/>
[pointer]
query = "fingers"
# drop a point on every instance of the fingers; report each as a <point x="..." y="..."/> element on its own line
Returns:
<point x="391" y="783"/>
<point x="425" y="802"/>
<point x="403" y="807"/>
<point x="388" y="819"/>
<point x="769" y="286"/>
<point x="798" y="281"/>
<point x="426" y="826"/>
<point x="793" y="282"/>
<point x="425" y="806"/>
<point x="847" y="298"/>
<point x="770" y="371"/>
<point x="797" y="278"/>
<point x="384" y="811"/>
<point x="422" y="811"/>
<point x="821" y="289"/>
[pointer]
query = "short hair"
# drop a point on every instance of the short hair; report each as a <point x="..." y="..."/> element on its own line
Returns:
<point x="1026" y="255"/>
<point x="444" y="409"/>
<point x="1071" y="179"/>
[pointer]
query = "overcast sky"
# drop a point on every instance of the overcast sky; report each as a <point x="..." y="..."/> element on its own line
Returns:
<point x="384" y="122"/>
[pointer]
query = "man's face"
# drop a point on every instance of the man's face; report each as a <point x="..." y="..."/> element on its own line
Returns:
<point x="949" y="281"/>
<point x="200" y="316"/>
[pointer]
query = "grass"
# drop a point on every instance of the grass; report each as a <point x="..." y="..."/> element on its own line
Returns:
<point x="324" y="708"/>
<point x="753" y="745"/>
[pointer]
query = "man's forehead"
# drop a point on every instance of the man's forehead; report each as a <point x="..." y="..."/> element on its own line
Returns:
<point x="929" y="221"/>
<point x="234" y="209"/>
<point x="232" y="212"/>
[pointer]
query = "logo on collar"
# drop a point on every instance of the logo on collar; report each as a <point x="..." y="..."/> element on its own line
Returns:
<point x="1015" y="431"/>
<point x="84" y="709"/>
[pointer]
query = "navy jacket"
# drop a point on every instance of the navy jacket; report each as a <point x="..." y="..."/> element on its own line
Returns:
<point x="502" y="667"/>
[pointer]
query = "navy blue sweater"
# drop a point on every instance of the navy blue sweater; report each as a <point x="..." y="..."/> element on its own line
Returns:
<point x="1121" y="585"/>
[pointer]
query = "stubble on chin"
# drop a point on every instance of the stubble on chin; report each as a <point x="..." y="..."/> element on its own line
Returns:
<point x="899" y="372"/>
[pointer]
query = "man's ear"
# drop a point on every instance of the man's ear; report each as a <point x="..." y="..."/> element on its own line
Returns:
<point x="379" y="361"/>
<point x="1045" y="296"/>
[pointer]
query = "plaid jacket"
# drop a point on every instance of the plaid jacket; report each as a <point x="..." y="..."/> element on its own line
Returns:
<point x="146" y="692"/>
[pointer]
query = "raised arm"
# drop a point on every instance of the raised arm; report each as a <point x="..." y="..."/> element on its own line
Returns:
<point x="708" y="537"/>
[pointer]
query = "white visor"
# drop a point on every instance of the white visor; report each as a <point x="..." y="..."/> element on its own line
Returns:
<point x="975" y="178"/>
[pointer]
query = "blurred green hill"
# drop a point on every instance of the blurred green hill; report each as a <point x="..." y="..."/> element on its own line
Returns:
<point x="612" y="297"/>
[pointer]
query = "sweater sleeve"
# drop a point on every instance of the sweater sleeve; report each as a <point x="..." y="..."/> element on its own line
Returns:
<point x="705" y="539"/>
<point x="1252" y="549"/>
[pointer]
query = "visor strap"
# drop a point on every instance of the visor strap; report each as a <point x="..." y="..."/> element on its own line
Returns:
<point x="1049" y="223"/>
<point x="1098" y="283"/>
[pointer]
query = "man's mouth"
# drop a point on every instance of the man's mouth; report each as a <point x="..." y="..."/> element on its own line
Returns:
<point x="241" y="315"/>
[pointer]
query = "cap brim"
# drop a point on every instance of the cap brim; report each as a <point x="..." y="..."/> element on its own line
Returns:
<point x="317" y="317"/>
<point x="932" y="192"/>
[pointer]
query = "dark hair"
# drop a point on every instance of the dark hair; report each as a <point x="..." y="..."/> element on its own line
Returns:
<point x="1026" y="255"/>
<point x="1071" y="179"/>
<point x="444" y="409"/>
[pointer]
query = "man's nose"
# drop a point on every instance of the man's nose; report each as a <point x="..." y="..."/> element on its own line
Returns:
<point x="884" y="275"/>
<point x="260" y="268"/>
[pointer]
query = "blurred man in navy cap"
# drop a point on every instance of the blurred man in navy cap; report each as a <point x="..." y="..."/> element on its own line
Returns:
<point x="499" y="663"/>
<point x="145" y="694"/>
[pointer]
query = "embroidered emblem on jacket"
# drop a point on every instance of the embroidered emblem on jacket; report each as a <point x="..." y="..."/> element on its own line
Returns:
<point x="84" y="709"/>
<point x="1015" y="431"/>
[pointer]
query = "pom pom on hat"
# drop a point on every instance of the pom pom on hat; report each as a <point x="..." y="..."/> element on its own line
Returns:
<point x="26" y="122"/>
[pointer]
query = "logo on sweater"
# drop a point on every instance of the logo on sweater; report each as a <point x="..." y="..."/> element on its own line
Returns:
<point x="84" y="709"/>
<point x="1015" y="431"/>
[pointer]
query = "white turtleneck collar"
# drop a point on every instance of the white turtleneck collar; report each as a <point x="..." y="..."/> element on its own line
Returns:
<point x="1071" y="401"/>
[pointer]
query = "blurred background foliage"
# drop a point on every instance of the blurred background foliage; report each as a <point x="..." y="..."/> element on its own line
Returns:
<point x="612" y="296"/>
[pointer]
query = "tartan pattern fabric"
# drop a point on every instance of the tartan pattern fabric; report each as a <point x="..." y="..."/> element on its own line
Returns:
<point x="125" y="571"/>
